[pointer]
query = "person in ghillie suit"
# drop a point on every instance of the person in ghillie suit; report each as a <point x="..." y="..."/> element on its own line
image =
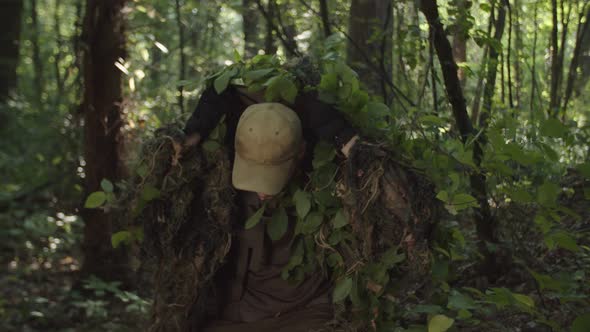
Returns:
<point x="222" y="231"/>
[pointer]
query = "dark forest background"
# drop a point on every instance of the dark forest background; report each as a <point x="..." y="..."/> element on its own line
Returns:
<point x="489" y="98"/>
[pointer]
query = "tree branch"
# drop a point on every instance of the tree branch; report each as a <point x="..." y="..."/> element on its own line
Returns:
<point x="292" y="49"/>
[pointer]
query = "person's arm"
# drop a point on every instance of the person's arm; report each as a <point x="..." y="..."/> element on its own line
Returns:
<point x="326" y="122"/>
<point x="210" y="108"/>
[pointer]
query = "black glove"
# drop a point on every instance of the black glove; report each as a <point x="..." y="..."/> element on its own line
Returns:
<point x="324" y="121"/>
<point x="209" y="110"/>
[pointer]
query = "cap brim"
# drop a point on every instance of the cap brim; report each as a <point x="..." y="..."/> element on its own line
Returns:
<point x="260" y="178"/>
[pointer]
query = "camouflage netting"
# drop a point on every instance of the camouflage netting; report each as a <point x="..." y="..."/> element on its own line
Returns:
<point x="390" y="205"/>
<point x="188" y="226"/>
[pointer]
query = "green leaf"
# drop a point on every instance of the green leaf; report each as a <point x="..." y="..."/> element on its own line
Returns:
<point x="519" y="195"/>
<point x="431" y="120"/>
<point x="463" y="201"/>
<point x="289" y="91"/>
<point x="427" y="309"/>
<point x="339" y="219"/>
<point x="565" y="241"/>
<point x="255" y="218"/>
<point x="581" y="323"/>
<point x="254" y="75"/>
<point x="221" y="82"/>
<point x="525" y="300"/>
<point x="546" y="281"/>
<point x="95" y="200"/>
<point x="376" y="110"/>
<point x="149" y="192"/>
<point x="122" y="236"/>
<point x="443" y="196"/>
<point x="277" y="227"/>
<point x="553" y="128"/>
<point x="302" y="203"/>
<point x="544" y="224"/>
<point x="547" y="194"/>
<point x="342" y="289"/>
<point x="458" y="301"/>
<point x="390" y="258"/>
<point x="323" y="154"/>
<point x="440" y="323"/>
<point x="584" y="169"/>
<point x="211" y="146"/>
<point x="280" y="86"/>
<point x="312" y="222"/>
<point x="106" y="185"/>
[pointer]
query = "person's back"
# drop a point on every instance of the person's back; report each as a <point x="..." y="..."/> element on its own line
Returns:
<point x="252" y="292"/>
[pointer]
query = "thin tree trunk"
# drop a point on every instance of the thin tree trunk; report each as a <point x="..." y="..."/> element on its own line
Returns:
<point x="460" y="37"/>
<point x="584" y="64"/>
<point x="484" y="64"/>
<point x="182" y="64"/>
<point x="59" y="81"/>
<point x="508" y="59"/>
<point x="325" y="14"/>
<point x="486" y="224"/>
<point x="581" y="35"/>
<point x="10" y="14"/>
<point x="37" y="63"/>
<point x="502" y="78"/>
<point x="433" y="73"/>
<point x="250" y="24"/>
<point x="493" y="66"/>
<point x="371" y="25"/>
<point x="534" y="66"/>
<point x="288" y="27"/>
<point x="77" y="85"/>
<point x="104" y="40"/>
<point x="285" y="33"/>
<point x="270" y="46"/>
<point x="518" y="47"/>
<point x="555" y="63"/>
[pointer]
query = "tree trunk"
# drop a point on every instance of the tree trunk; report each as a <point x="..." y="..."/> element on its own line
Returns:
<point x="492" y="67"/>
<point x="282" y="29"/>
<point x="460" y="37"/>
<point x="518" y="48"/>
<point x="286" y="24"/>
<point x="486" y="224"/>
<point x="251" y="26"/>
<point x="581" y="36"/>
<point x="37" y="63"/>
<point x="325" y="14"/>
<point x="10" y="14"/>
<point x="584" y="63"/>
<point x="555" y="62"/>
<point x="59" y="80"/>
<point x="484" y="64"/>
<point x="182" y="60"/>
<point x="534" y="60"/>
<point x="270" y="47"/>
<point x="370" y="44"/>
<point x="104" y="40"/>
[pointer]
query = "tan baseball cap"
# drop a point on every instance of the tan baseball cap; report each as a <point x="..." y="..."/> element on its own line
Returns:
<point x="268" y="140"/>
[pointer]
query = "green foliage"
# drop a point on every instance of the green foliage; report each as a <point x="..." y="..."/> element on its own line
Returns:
<point x="255" y="218"/>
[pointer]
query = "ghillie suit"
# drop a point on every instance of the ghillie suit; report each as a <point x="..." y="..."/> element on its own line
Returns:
<point x="188" y="227"/>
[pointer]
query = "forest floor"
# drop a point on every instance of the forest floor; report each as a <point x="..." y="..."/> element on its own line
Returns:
<point x="38" y="296"/>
